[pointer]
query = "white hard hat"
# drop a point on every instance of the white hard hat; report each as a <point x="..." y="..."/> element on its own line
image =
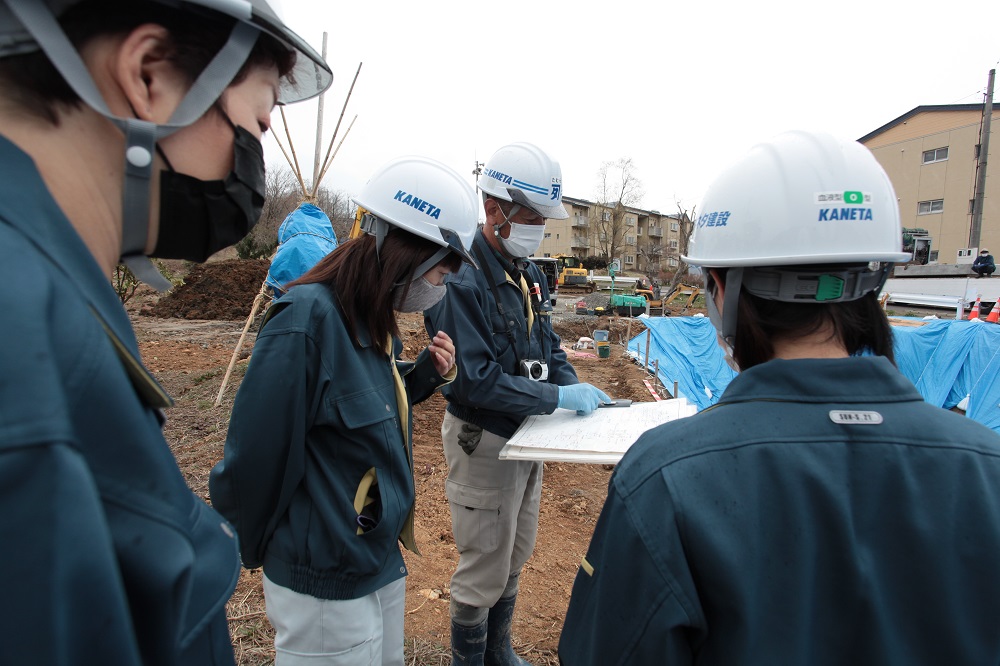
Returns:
<point x="804" y="217"/>
<point x="27" y="26"/>
<point x="426" y="198"/>
<point x="801" y="198"/>
<point x="524" y="174"/>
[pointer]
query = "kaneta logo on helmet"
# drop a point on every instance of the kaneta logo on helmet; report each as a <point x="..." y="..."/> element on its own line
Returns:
<point x="420" y="204"/>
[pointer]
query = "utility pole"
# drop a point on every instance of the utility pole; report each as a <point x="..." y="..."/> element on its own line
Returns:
<point x="319" y="131"/>
<point x="984" y="149"/>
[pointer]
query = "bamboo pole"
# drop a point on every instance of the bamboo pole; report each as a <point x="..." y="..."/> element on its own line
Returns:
<point x="261" y="295"/>
<point x="288" y="159"/>
<point x="346" y="132"/>
<point x="291" y="146"/>
<point x="343" y="109"/>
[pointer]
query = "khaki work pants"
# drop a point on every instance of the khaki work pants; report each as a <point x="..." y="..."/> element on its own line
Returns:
<point x="494" y="514"/>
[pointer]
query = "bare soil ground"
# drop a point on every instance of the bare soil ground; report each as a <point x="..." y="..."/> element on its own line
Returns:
<point x="187" y="339"/>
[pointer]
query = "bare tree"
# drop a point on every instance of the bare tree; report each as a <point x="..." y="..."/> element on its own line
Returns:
<point x="618" y="188"/>
<point x="283" y="195"/>
<point x="651" y="253"/>
<point x="339" y="208"/>
<point x="685" y="221"/>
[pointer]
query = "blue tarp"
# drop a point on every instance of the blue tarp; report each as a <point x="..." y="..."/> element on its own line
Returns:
<point x="946" y="360"/>
<point x="305" y="237"/>
<point x="687" y="353"/>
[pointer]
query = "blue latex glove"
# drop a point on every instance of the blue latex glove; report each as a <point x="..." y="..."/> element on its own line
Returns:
<point x="584" y="398"/>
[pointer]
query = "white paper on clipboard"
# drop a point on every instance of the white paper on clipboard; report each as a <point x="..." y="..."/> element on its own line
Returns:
<point x="602" y="436"/>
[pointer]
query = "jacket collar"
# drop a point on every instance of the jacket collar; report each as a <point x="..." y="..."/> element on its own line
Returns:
<point x="27" y="206"/>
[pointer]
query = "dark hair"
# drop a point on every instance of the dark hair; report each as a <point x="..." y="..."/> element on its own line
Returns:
<point x="35" y="84"/>
<point x="859" y="325"/>
<point x="366" y="285"/>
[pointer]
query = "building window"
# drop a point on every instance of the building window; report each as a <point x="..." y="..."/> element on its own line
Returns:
<point x="548" y="235"/>
<point x="605" y="216"/>
<point x="630" y="221"/>
<point x="630" y="240"/>
<point x="672" y="261"/>
<point x="629" y="259"/>
<point x="936" y="155"/>
<point x="674" y="226"/>
<point x="929" y="207"/>
<point x="673" y="243"/>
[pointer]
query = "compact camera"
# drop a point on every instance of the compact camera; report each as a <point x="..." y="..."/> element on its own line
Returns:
<point x="535" y="370"/>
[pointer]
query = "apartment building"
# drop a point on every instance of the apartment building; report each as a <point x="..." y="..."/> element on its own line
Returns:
<point x="931" y="155"/>
<point x="647" y="240"/>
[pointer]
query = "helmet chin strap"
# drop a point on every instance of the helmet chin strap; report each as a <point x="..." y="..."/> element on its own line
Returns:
<point x="506" y="220"/>
<point x="140" y="135"/>
<point x="725" y="321"/>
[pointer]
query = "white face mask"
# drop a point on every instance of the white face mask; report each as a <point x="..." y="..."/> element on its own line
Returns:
<point x="524" y="239"/>
<point x="421" y="296"/>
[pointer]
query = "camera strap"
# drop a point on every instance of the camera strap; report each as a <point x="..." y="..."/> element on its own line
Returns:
<point x="503" y="314"/>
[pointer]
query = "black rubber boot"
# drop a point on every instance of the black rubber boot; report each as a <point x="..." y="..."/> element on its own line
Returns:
<point x="498" y="648"/>
<point x="468" y="644"/>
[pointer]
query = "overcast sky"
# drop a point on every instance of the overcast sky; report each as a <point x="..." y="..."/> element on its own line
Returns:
<point x="681" y="88"/>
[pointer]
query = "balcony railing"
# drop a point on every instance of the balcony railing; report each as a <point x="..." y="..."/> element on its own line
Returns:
<point x="580" y="222"/>
<point x="655" y="231"/>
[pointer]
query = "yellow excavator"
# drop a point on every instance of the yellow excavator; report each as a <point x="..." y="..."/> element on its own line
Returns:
<point x="655" y="300"/>
<point x="573" y="276"/>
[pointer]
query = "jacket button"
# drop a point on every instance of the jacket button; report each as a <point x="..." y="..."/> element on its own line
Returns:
<point x="511" y="322"/>
<point x="402" y="570"/>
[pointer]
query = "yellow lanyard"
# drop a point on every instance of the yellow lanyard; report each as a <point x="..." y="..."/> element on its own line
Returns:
<point x="529" y="312"/>
<point x="408" y="535"/>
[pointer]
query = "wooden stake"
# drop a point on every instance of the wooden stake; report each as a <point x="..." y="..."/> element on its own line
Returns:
<point x="261" y="295"/>
<point x="646" y="360"/>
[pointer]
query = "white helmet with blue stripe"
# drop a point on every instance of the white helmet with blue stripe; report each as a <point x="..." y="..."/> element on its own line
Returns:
<point x="525" y="175"/>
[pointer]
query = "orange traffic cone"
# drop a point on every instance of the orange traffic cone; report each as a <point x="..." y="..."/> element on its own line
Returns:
<point x="994" y="315"/>
<point x="974" y="312"/>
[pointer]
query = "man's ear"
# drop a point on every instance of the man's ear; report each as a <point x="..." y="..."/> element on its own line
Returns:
<point x="492" y="209"/>
<point x="149" y="82"/>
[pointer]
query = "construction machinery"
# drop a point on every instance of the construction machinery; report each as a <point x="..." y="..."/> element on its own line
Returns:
<point x="646" y="294"/>
<point x="573" y="277"/>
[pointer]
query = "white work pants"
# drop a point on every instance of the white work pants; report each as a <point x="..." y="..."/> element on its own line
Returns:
<point x="356" y="632"/>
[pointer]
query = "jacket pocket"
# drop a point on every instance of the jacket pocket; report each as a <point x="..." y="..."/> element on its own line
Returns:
<point x="368" y="502"/>
<point x="475" y="516"/>
<point x="365" y="409"/>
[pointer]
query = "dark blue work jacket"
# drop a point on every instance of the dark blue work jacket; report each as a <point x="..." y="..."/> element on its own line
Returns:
<point x="820" y="513"/>
<point x="491" y="342"/>
<point x="108" y="557"/>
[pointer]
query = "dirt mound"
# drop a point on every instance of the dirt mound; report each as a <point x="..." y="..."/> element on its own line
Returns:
<point x="218" y="290"/>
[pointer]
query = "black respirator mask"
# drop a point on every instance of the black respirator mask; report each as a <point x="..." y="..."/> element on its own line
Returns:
<point x="200" y="217"/>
